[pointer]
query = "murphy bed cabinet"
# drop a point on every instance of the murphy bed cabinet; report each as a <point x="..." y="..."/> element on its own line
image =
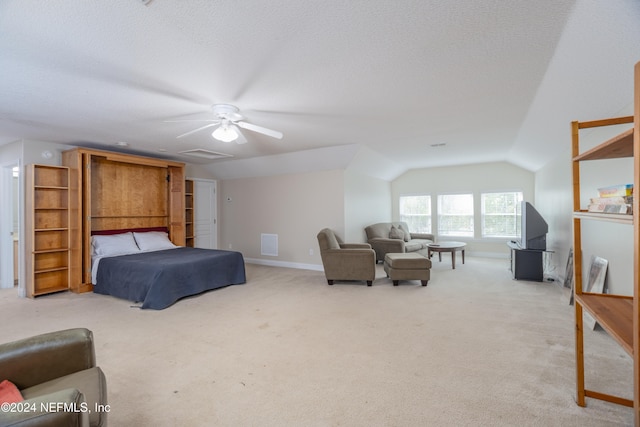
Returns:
<point x="617" y="314"/>
<point x="188" y="213"/>
<point x="116" y="191"/>
<point x="47" y="229"/>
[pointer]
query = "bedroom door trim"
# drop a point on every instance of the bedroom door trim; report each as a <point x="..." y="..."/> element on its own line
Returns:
<point x="205" y="193"/>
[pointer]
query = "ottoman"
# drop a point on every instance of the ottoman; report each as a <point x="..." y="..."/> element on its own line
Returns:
<point x="407" y="266"/>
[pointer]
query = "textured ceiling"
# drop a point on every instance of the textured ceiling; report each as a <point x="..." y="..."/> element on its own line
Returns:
<point x="492" y="80"/>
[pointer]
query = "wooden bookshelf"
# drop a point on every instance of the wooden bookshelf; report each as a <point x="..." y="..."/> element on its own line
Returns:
<point x="47" y="229"/>
<point x="619" y="315"/>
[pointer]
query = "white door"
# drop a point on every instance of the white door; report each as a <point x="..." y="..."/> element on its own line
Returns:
<point x="205" y="214"/>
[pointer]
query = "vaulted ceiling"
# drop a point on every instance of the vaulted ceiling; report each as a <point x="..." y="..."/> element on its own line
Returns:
<point x="418" y="83"/>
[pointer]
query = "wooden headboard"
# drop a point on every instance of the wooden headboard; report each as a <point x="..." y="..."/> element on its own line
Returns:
<point x="126" y="230"/>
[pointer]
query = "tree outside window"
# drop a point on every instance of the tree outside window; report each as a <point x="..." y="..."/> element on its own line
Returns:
<point x="501" y="214"/>
<point x="416" y="212"/>
<point x="455" y="215"/>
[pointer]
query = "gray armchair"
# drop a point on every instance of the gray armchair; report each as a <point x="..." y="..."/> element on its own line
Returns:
<point x="394" y="237"/>
<point x="57" y="375"/>
<point x="346" y="261"/>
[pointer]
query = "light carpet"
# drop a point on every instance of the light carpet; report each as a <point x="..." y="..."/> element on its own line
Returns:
<point x="473" y="348"/>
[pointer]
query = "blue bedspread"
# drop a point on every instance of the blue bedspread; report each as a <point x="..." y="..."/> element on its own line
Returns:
<point x="159" y="279"/>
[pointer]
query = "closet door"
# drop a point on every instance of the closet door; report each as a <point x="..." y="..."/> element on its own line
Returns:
<point x="205" y="214"/>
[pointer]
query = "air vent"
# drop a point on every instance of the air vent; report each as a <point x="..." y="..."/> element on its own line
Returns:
<point x="205" y="154"/>
<point x="269" y="244"/>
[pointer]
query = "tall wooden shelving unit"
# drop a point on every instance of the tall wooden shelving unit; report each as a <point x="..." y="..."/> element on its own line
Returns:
<point x="47" y="228"/>
<point x="188" y="213"/>
<point x="617" y="314"/>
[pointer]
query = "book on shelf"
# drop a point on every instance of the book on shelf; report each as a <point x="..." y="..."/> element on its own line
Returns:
<point x="616" y="190"/>
<point x="614" y="204"/>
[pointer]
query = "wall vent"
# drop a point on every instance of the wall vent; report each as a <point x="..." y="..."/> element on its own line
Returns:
<point x="269" y="244"/>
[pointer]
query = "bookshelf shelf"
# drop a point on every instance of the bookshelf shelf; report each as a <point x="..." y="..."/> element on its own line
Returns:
<point x="614" y="314"/>
<point x="618" y="218"/>
<point x="615" y="148"/>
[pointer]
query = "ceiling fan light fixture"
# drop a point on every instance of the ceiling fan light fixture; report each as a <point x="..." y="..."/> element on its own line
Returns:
<point x="225" y="133"/>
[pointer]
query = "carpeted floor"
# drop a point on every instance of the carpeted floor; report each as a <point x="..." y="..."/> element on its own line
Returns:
<point x="473" y="348"/>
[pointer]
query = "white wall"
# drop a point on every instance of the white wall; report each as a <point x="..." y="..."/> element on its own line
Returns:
<point x="554" y="200"/>
<point x="367" y="201"/>
<point x="475" y="179"/>
<point x="16" y="203"/>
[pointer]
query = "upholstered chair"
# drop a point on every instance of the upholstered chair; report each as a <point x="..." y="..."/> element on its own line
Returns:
<point x="346" y="261"/>
<point x="395" y="237"/>
<point x="56" y="375"/>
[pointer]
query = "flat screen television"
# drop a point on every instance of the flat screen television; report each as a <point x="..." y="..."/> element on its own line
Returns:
<point x="533" y="229"/>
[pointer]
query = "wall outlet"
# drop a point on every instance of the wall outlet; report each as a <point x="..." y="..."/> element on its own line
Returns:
<point x="230" y="246"/>
<point x="310" y="251"/>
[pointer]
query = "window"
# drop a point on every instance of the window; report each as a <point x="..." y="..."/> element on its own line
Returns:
<point x="416" y="212"/>
<point x="455" y="215"/>
<point x="501" y="214"/>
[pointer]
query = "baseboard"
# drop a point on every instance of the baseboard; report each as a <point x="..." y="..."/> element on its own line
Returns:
<point x="318" y="267"/>
<point x="285" y="264"/>
<point x="487" y="255"/>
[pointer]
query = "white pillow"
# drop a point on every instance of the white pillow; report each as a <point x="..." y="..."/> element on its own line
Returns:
<point x="153" y="241"/>
<point x="114" y="244"/>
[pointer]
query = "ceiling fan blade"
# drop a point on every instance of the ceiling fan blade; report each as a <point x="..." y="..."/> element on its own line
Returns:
<point x="260" y="129"/>
<point x="241" y="139"/>
<point x="191" y="120"/>
<point x="196" y="130"/>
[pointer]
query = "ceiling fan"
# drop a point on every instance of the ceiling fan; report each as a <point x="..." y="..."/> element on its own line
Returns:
<point x="227" y="120"/>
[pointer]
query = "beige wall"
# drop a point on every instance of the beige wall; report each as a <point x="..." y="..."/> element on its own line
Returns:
<point x="478" y="178"/>
<point x="295" y="207"/>
<point x="197" y="171"/>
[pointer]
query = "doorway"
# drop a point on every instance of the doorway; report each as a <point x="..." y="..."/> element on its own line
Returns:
<point x="10" y="226"/>
<point x="205" y="213"/>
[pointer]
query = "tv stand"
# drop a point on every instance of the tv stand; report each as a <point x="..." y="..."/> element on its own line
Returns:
<point x="526" y="264"/>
